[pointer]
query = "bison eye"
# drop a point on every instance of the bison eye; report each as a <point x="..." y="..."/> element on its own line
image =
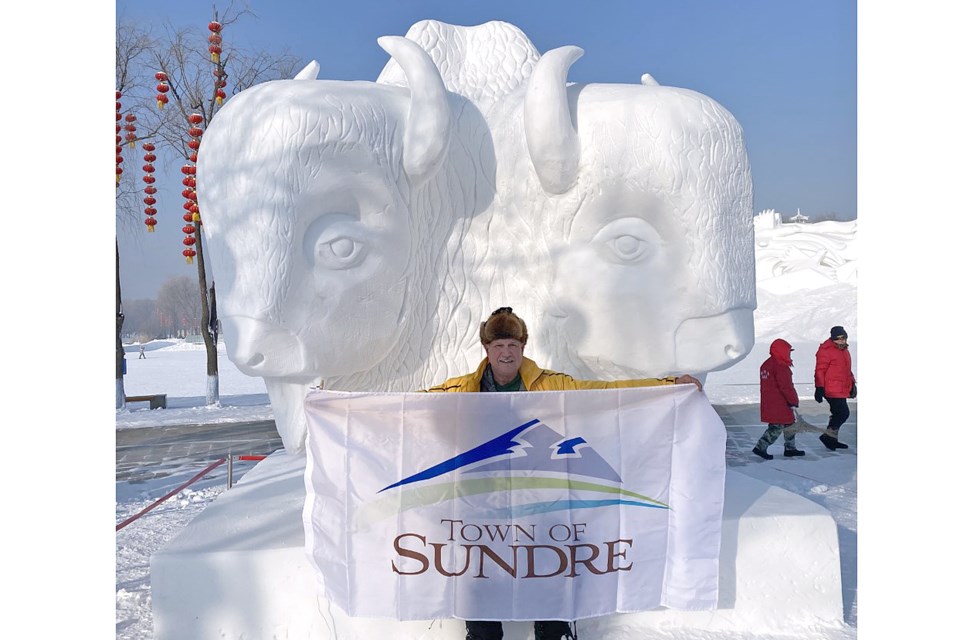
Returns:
<point x="340" y="253"/>
<point x="627" y="241"/>
<point x="336" y="242"/>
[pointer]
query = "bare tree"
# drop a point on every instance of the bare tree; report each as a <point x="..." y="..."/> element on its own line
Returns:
<point x="197" y="83"/>
<point x="178" y="306"/>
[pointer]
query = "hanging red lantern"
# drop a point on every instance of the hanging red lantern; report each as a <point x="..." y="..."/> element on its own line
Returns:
<point x="160" y="76"/>
<point x="150" y="190"/>
<point x="188" y="217"/>
<point x="195" y="132"/>
<point x="189" y="253"/>
<point x="189" y="229"/>
<point x="194" y="144"/>
<point x="221" y="96"/>
<point x="148" y="168"/>
<point x="215" y="38"/>
<point x="215" y="26"/>
<point x="193" y="158"/>
<point x="189" y="241"/>
<point x="162" y="99"/>
<point x="215" y="52"/>
<point x="149" y="179"/>
<point x="195" y="118"/>
<point x="151" y="223"/>
<point x="149" y="200"/>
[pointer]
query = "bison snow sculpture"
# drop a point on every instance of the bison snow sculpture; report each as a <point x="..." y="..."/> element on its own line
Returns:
<point x="360" y="231"/>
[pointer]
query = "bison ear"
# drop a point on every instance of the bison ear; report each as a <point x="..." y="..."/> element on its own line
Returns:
<point x="552" y="141"/>
<point x="309" y="72"/>
<point x="426" y="136"/>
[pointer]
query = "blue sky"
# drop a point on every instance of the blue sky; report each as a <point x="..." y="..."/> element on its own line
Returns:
<point x="786" y="70"/>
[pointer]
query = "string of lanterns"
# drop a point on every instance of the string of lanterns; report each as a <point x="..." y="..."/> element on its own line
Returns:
<point x="148" y="169"/>
<point x="192" y="217"/>
<point x="119" y="140"/>
<point x="162" y="88"/>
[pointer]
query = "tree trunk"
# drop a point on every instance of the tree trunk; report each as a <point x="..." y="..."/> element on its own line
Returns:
<point x="121" y="396"/>
<point x="209" y="341"/>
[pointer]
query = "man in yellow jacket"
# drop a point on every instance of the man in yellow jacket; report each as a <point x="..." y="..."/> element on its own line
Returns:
<point x="504" y="336"/>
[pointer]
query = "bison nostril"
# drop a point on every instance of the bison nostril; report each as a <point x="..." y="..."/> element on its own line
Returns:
<point x="255" y="360"/>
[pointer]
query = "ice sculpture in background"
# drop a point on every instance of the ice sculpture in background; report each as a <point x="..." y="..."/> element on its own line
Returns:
<point x="360" y="231"/>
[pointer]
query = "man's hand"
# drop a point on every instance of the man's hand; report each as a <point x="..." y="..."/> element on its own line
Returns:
<point x="688" y="379"/>
<point x="818" y="394"/>
<point x="853" y="390"/>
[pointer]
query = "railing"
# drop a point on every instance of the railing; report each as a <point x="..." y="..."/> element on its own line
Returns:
<point x="208" y="469"/>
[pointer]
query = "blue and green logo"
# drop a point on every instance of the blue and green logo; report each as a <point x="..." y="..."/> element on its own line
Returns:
<point x="538" y="470"/>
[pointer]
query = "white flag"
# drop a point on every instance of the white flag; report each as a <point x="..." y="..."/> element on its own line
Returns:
<point x="514" y="506"/>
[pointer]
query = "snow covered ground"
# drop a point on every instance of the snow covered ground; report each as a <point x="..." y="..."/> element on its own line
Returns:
<point x="806" y="284"/>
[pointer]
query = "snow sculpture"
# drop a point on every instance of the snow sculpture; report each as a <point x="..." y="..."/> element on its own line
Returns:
<point x="362" y="251"/>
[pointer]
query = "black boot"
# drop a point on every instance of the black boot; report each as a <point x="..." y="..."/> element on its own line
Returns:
<point x="830" y="443"/>
<point x="790" y="453"/>
<point x="551" y="630"/>
<point x="763" y="454"/>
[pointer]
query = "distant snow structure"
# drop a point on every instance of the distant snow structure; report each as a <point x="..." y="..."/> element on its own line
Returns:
<point x="797" y="257"/>
<point x="799" y="218"/>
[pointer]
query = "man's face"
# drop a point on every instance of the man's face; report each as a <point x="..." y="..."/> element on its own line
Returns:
<point x="505" y="356"/>
<point x="841" y="342"/>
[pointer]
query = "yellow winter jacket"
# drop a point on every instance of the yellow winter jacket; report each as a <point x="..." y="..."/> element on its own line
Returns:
<point x="537" y="379"/>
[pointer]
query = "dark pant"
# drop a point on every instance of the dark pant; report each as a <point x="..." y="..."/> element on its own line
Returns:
<point x="543" y="630"/>
<point x="839" y="412"/>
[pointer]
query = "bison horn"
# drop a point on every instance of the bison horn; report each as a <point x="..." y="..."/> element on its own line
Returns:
<point x="551" y="139"/>
<point x="427" y="134"/>
<point x="309" y="72"/>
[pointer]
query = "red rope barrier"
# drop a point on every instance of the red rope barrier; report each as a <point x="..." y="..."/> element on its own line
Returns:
<point x="172" y="493"/>
<point x="251" y="457"/>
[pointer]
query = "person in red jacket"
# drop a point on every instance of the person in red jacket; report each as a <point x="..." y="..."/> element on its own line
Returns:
<point x="833" y="379"/>
<point x="778" y="398"/>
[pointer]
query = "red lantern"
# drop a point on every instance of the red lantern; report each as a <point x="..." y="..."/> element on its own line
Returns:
<point x="162" y="99"/>
<point x="189" y="240"/>
<point x="221" y="96"/>
<point x="189" y="253"/>
<point x="195" y="118"/>
<point x="151" y="223"/>
<point x="149" y="179"/>
<point x="160" y="76"/>
<point x="148" y="168"/>
<point x="149" y="157"/>
<point x="188" y="217"/>
<point x="149" y="146"/>
<point x="149" y="200"/>
<point x="194" y="144"/>
<point x="195" y="132"/>
<point x="214" y="38"/>
<point x="215" y="26"/>
<point x="193" y="158"/>
<point x="189" y="229"/>
<point x="215" y="52"/>
<point x="150" y="190"/>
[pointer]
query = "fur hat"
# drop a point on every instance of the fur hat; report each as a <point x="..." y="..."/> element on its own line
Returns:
<point x="503" y="324"/>
<point x="837" y="332"/>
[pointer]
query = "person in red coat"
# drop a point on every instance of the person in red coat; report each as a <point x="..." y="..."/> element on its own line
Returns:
<point x="778" y="398"/>
<point x="833" y="379"/>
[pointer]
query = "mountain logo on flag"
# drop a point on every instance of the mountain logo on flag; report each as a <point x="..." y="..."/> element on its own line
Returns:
<point x="529" y="456"/>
